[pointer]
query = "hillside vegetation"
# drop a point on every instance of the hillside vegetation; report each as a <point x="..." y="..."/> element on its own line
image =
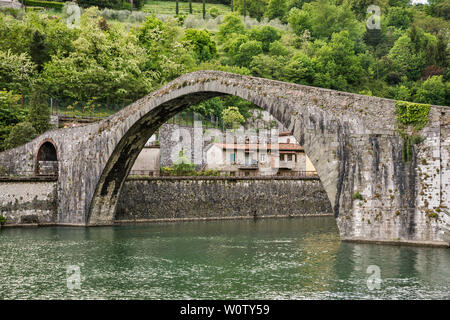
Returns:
<point x="114" y="57"/>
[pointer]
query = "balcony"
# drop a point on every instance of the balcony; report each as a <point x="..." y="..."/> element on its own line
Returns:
<point x="287" y="165"/>
<point x="249" y="165"/>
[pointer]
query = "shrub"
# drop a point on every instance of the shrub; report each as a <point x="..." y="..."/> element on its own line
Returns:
<point x="2" y="219"/>
<point x="45" y="4"/>
<point x="20" y="134"/>
<point x="214" y="12"/>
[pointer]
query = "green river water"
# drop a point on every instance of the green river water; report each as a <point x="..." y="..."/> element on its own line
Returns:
<point x="299" y="258"/>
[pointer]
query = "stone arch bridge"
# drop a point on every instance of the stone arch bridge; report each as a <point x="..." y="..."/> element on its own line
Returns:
<point x="351" y="139"/>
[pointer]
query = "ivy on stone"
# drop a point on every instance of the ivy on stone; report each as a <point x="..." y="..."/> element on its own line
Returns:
<point x="411" y="118"/>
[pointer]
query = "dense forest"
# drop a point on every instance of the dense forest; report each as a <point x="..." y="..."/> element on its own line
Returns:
<point x="326" y="43"/>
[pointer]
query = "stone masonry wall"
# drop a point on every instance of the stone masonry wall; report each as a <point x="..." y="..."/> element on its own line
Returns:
<point x="28" y="201"/>
<point x="220" y="197"/>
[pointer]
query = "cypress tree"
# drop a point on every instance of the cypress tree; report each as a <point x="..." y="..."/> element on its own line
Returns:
<point x="39" y="115"/>
<point x="204" y="9"/>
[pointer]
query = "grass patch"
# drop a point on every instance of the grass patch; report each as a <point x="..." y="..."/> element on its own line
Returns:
<point x="168" y="7"/>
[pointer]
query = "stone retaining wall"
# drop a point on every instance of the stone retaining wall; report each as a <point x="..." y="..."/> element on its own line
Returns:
<point x="28" y="201"/>
<point x="220" y="197"/>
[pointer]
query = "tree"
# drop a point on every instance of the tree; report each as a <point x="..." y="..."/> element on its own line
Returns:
<point x="115" y="66"/>
<point x="20" y="134"/>
<point x="39" y="115"/>
<point x="325" y="18"/>
<point x="246" y="52"/>
<point x="299" y="20"/>
<point x="399" y="17"/>
<point x="434" y="91"/>
<point x="232" y="117"/>
<point x="16" y="71"/>
<point x="299" y="69"/>
<point x="266" y="35"/>
<point x="337" y="64"/>
<point x="268" y="66"/>
<point x="252" y="8"/>
<point x="232" y="23"/>
<point x="276" y="9"/>
<point x="38" y="50"/>
<point x="204" y="9"/>
<point x="406" y="59"/>
<point x="10" y="114"/>
<point x="203" y="44"/>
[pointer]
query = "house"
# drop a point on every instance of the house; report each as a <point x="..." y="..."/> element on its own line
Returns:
<point x="254" y="159"/>
<point x="244" y="155"/>
<point x="148" y="161"/>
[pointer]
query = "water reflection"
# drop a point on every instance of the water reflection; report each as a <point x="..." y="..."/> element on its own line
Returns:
<point x="243" y="259"/>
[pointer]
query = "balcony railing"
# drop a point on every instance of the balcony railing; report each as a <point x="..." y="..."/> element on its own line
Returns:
<point x="287" y="165"/>
<point x="248" y="165"/>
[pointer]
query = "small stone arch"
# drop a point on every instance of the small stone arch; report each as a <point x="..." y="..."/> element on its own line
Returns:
<point x="46" y="158"/>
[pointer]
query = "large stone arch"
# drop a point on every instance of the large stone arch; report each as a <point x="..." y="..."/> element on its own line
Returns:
<point x="351" y="139"/>
<point x="195" y="89"/>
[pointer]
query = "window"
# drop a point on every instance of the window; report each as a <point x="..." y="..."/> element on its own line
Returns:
<point x="289" y="157"/>
<point x="232" y="157"/>
<point x="263" y="157"/>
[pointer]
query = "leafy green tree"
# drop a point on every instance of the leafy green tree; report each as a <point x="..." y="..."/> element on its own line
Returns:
<point x="110" y="66"/>
<point x="434" y="91"/>
<point x="266" y="35"/>
<point x="276" y="9"/>
<point x="232" y="23"/>
<point x="203" y="44"/>
<point x="403" y="93"/>
<point x="299" y="20"/>
<point x="232" y="117"/>
<point x="337" y="63"/>
<point x="231" y="48"/>
<point x="406" y="58"/>
<point x="16" y="70"/>
<point x="399" y="17"/>
<point x="247" y="51"/>
<point x="253" y="8"/>
<point x="276" y="48"/>
<point x="20" y="134"/>
<point x="299" y="69"/>
<point x="10" y="114"/>
<point x="268" y="66"/>
<point x="296" y="4"/>
<point x="39" y="115"/>
<point x="210" y="107"/>
<point x="213" y="12"/>
<point x="442" y="9"/>
<point x="359" y="7"/>
<point x="326" y="18"/>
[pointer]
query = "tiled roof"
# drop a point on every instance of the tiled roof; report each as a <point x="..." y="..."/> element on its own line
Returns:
<point x="256" y="146"/>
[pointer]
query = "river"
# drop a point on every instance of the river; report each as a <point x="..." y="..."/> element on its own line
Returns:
<point x="298" y="258"/>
